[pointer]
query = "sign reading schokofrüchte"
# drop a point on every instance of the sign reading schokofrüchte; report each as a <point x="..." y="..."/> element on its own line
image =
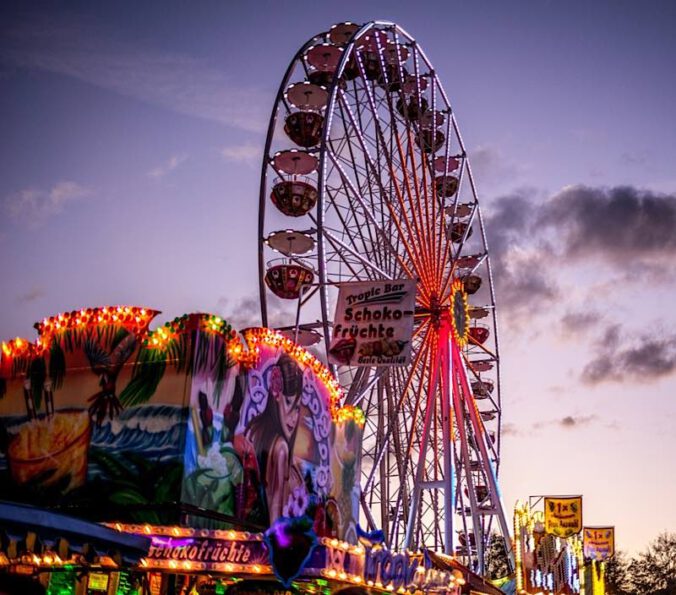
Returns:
<point x="563" y="516"/>
<point x="373" y="324"/>
<point x="599" y="542"/>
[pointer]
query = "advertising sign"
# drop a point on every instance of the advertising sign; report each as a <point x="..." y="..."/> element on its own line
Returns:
<point x="97" y="581"/>
<point x="395" y="571"/>
<point x="599" y="542"/>
<point x="210" y="552"/>
<point x="373" y="324"/>
<point x="563" y="516"/>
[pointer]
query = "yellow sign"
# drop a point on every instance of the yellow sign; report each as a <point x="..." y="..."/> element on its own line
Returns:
<point x="97" y="582"/>
<point x="563" y="516"/>
<point x="599" y="543"/>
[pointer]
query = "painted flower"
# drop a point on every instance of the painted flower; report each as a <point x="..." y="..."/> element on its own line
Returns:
<point x="323" y="477"/>
<point x="276" y="381"/>
<point x="297" y="503"/>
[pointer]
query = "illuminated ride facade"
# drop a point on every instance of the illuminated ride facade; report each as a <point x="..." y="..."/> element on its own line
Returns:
<point x="366" y="179"/>
<point x="228" y="456"/>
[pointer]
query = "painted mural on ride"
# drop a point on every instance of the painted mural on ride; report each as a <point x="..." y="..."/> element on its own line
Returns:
<point x="119" y="422"/>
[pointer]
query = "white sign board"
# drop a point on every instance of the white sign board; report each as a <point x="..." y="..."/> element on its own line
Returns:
<point x="373" y="324"/>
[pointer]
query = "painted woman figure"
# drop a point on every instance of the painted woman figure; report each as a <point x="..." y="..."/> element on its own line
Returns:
<point x="273" y="434"/>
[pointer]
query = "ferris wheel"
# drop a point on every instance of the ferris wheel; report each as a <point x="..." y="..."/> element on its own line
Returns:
<point x="365" y="177"/>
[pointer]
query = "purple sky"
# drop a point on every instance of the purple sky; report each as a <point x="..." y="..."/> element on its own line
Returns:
<point x="132" y="135"/>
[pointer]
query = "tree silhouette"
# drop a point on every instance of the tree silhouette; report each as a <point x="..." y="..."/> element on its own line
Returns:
<point x="653" y="572"/>
<point x="617" y="575"/>
<point x="497" y="562"/>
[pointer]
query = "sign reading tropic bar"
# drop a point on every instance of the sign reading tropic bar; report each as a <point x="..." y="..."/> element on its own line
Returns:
<point x="373" y="324"/>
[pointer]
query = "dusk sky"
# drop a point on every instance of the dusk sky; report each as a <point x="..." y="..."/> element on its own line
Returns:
<point x="131" y="141"/>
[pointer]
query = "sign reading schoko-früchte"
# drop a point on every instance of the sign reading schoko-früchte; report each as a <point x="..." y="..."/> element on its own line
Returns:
<point x="373" y="323"/>
<point x="210" y="551"/>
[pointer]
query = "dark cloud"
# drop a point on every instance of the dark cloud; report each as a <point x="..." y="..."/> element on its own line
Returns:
<point x="525" y="285"/>
<point x="531" y="236"/>
<point x="522" y="278"/>
<point x="620" y="224"/>
<point x="508" y="220"/>
<point x="619" y="358"/>
<point x="240" y="314"/>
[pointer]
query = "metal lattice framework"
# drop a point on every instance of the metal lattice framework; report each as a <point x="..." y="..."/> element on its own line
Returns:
<point x="383" y="186"/>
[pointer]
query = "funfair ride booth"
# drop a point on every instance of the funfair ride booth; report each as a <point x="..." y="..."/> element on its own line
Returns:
<point x="229" y="453"/>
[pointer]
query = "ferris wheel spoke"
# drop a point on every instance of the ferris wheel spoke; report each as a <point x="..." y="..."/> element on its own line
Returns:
<point x="392" y="445"/>
<point x="367" y="246"/>
<point x="443" y="243"/>
<point x="341" y="250"/>
<point x="410" y="249"/>
<point x="368" y="188"/>
<point x="431" y="218"/>
<point x="355" y="397"/>
<point x="430" y="410"/>
<point x="414" y="199"/>
<point x="429" y="215"/>
<point x="403" y="390"/>
<point x="356" y="168"/>
<point x="370" y="216"/>
<point x="489" y="472"/>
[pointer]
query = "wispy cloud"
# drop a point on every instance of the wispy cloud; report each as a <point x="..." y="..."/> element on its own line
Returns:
<point x="248" y="153"/>
<point x="576" y="323"/>
<point x="174" y="81"/>
<point x="574" y="421"/>
<point x="34" y="206"/>
<point x="493" y="167"/>
<point x="510" y="429"/>
<point x="567" y="422"/>
<point x="168" y="166"/>
<point x="32" y="295"/>
<point x="246" y="312"/>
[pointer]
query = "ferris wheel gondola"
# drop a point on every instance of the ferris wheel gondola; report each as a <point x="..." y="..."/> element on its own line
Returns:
<point x="363" y="148"/>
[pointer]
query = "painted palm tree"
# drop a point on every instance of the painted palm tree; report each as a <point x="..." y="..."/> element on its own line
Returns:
<point x="107" y="364"/>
